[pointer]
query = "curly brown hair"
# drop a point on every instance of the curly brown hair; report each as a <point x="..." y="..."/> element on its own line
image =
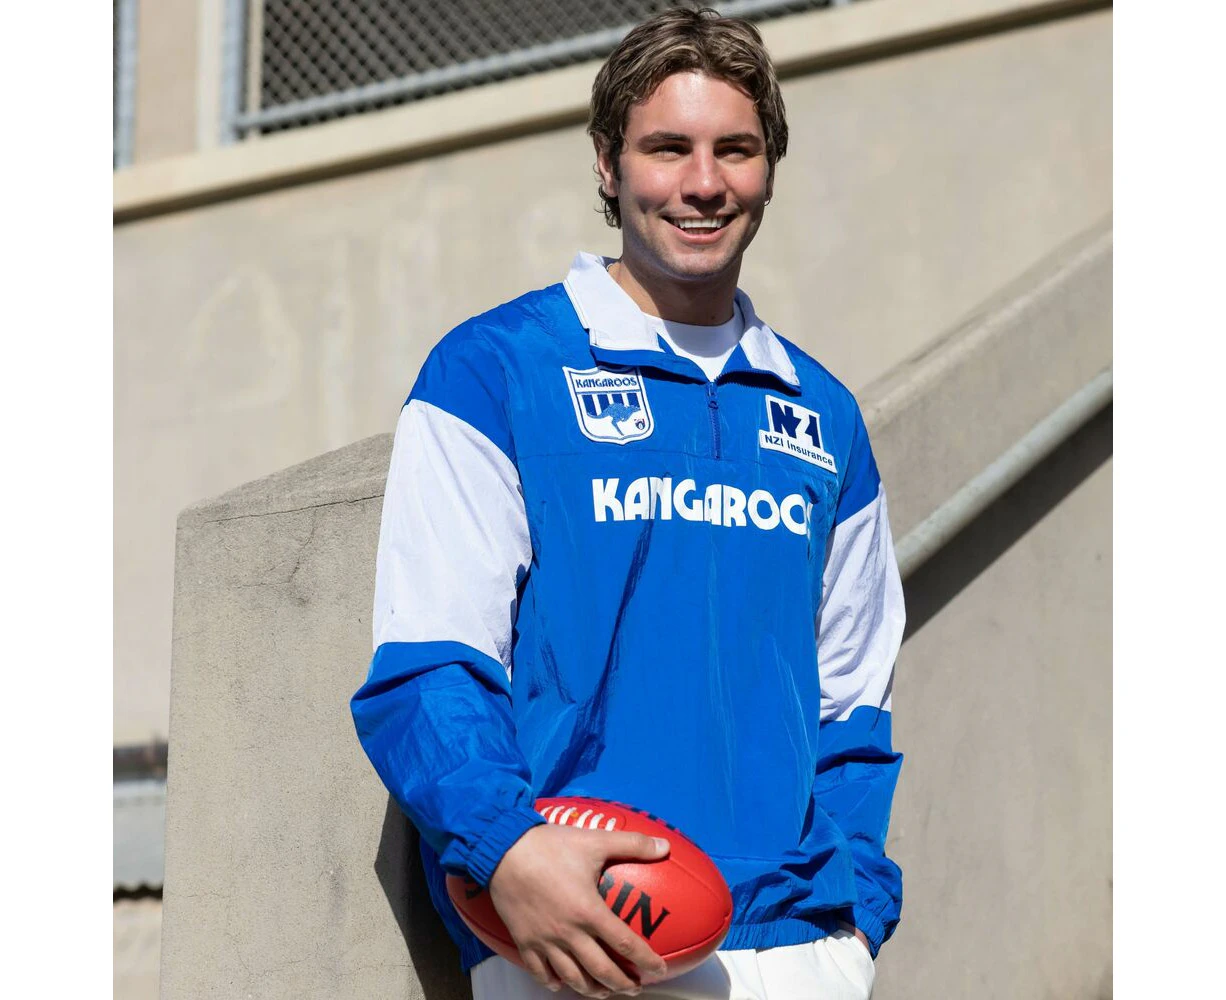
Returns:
<point x="681" y="40"/>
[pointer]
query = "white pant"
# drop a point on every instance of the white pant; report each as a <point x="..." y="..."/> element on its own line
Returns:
<point x="838" y="967"/>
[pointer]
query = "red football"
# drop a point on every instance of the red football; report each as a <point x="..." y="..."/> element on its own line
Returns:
<point x="679" y="905"/>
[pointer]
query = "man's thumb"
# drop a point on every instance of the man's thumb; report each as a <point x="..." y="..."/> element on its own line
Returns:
<point x="637" y="845"/>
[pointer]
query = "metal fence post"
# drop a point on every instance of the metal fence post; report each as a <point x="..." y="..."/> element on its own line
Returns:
<point x="125" y="82"/>
<point x="233" y="69"/>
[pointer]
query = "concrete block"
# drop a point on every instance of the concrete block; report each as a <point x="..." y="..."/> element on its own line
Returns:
<point x="288" y="873"/>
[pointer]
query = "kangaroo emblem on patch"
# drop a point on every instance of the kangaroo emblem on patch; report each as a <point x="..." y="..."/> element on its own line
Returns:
<point x="610" y="405"/>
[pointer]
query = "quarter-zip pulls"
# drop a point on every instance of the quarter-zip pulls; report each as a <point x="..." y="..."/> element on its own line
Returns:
<point x="713" y="409"/>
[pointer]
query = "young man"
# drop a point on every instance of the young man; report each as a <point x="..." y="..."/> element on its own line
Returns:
<point x="634" y="546"/>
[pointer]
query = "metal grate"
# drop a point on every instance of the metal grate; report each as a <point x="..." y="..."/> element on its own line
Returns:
<point x="323" y="59"/>
<point x="123" y="66"/>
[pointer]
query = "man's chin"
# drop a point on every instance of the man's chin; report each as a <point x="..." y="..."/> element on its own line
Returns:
<point x="698" y="266"/>
<point x="687" y="264"/>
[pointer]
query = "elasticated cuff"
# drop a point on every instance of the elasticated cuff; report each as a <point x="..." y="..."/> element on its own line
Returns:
<point x="499" y="837"/>
<point x="872" y="926"/>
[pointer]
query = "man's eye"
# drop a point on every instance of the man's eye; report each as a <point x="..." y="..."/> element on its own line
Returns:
<point x="674" y="148"/>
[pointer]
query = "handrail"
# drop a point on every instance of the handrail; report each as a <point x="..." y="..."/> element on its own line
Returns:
<point x="935" y="531"/>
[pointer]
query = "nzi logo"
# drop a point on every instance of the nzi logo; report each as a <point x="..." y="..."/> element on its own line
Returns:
<point x="796" y="431"/>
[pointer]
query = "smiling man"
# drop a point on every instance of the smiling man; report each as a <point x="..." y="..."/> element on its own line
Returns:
<point x="687" y="181"/>
<point x="635" y="547"/>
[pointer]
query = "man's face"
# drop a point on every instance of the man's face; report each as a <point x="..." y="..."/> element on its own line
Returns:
<point x="693" y="182"/>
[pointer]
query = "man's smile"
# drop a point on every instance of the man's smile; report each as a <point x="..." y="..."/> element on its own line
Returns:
<point x="701" y="223"/>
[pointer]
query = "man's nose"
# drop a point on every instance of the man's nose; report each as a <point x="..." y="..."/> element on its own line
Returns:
<point x="703" y="179"/>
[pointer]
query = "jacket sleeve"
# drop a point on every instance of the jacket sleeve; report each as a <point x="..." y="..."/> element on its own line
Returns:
<point x="859" y="631"/>
<point x="434" y="715"/>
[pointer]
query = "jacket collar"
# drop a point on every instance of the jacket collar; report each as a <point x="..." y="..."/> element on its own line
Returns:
<point x="615" y="324"/>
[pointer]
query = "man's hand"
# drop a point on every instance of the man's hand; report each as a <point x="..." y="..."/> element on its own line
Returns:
<point x="860" y="936"/>
<point x="545" y="891"/>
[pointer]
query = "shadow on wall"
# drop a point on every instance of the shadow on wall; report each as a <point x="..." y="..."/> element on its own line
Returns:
<point x="990" y="535"/>
<point x="435" y="958"/>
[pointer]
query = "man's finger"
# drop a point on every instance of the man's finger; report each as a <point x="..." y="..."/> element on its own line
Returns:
<point x="621" y="941"/>
<point x="597" y="964"/>
<point x="571" y="973"/>
<point x="639" y="846"/>
<point x="540" y="970"/>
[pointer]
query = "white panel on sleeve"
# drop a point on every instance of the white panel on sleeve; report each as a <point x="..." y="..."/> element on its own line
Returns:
<point x="860" y="621"/>
<point x="453" y="545"/>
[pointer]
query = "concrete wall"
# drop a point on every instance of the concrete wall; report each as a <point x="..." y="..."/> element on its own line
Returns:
<point x="1002" y="707"/>
<point x="252" y="334"/>
<point x="166" y="79"/>
<point x="1002" y="821"/>
<point x="135" y="961"/>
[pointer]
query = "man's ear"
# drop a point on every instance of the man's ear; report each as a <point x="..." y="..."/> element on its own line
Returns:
<point x="604" y="167"/>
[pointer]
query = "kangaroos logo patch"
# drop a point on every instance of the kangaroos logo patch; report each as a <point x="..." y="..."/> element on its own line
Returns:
<point x="610" y="406"/>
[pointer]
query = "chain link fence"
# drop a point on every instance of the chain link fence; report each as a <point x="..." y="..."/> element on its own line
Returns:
<point x="297" y="62"/>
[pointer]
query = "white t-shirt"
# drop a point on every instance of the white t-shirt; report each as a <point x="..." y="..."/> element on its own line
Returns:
<point x="709" y="347"/>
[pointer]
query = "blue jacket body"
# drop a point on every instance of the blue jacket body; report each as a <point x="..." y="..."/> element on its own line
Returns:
<point x="602" y="574"/>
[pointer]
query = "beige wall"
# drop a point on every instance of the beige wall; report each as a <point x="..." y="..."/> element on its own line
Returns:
<point x="1002" y="708"/>
<point x="252" y="334"/>
<point x="165" y="114"/>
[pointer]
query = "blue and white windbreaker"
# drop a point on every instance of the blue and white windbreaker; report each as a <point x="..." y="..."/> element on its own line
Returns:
<point x="601" y="574"/>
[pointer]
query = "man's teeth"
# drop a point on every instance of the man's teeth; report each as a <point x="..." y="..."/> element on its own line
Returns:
<point x="700" y="223"/>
